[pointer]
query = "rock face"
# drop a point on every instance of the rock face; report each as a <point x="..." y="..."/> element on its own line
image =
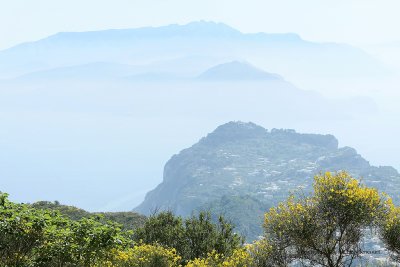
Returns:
<point x="244" y="166"/>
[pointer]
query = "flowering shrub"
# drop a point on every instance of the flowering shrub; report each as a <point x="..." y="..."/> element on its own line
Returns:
<point x="345" y="197"/>
<point x="146" y="256"/>
<point x="239" y="258"/>
<point x="326" y="227"/>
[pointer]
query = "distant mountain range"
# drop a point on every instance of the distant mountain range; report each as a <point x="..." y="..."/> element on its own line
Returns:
<point x="103" y="71"/>
<point x="187" y="50"/>
<point x="237" y="71"/>
<point x="242" y="169"/>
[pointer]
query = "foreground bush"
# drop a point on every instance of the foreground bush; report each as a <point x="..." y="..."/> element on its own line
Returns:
<point x="239" y="258"/>
<point x="146" y="256"/>
<point x="21" y="231"/>
<point x="34" y="237"/>
<point x="86" y="242"/>
<point x="45" y="238"/>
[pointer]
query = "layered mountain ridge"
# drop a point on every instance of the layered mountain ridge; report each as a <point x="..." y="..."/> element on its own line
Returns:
<point x="203" y="43"/>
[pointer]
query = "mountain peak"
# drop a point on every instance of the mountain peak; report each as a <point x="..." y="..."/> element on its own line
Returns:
<point x="236" y="70"/>
<point x="211" y="26"/>
<point x="234" y="130"/>
<point x="240" y="127"/>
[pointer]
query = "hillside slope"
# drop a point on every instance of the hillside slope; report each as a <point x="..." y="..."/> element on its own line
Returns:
<point x="242" y="166"/>
<point x="128" y="220"/>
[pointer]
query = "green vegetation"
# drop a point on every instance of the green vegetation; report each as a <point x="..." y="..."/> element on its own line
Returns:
<point x="194" y="237"/>
<point x="36" y="237"/>
<point x="323" y="228"/>
<point x="40" y="235"/>
<point x="246" y="213"/>
<point x="128" y="220"/>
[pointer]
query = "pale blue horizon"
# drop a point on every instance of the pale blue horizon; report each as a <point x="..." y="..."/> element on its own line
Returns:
<point x="353" y="21"/>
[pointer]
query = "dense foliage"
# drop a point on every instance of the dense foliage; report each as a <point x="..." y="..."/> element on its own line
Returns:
<point x="44" y="237"/>
<point x="194" y="237"/>
<point x="324" y="228"/>
<point x="35" y="237"/>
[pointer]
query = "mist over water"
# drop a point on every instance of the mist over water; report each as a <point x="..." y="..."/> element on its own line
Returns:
<point x="97" y="136"/>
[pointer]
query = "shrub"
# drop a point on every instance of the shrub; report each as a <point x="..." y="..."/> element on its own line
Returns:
<point x="146" y="256"/>
<point x="239" y="258"/>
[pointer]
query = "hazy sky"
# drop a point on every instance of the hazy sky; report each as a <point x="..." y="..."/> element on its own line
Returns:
<point x="357" y="22"/>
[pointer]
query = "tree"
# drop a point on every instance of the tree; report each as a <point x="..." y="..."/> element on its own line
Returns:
<point x="325" y="228"/>
<point x="164" y="229"/>
<point x="192" y="238"/>
<point x="203" y="236"/>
